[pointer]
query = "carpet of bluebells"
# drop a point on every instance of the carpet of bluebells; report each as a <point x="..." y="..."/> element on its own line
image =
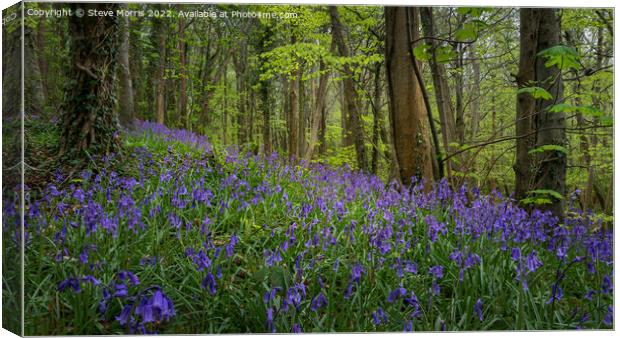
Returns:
<point x="183" y="237"/>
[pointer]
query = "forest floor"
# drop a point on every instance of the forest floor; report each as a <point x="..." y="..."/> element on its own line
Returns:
<point x="181" y="236"/>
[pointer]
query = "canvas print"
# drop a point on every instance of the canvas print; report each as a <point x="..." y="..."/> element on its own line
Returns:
<point x="209" y="168"/>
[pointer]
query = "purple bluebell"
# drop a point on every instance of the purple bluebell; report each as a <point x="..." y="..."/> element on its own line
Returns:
<point x="556" y="293"/>
<point x="124" y="317"/>
<point x="609" y="316"/>
<point x="436" y="271"/>
<point x="209" y="283"/>
<point x="533" y="263"/>
<point x="478" y="309"/>
<point x="72" y="283"/>
<point x="396" y="294"/>
<point x="318" y="302"/>
<point x="128" y="275"/>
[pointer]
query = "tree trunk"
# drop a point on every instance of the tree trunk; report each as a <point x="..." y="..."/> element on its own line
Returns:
<point x="475" y="92"/>
<point x="182" y="46"/>
<point x="225" y="112"/>
<point x="318" y="112"/>
<point x="88" y="119"/>
<point x="41" y="57"/>
<point x="126" y="103"/>
<point x="540" y="29"/>
<point x="376" y="113"/>
<point x="301" y="133"/>
<point x="352" y="112"/>
<point x="440" y="83"/>
<point x="408" y="114"/>
<point x="293" y="137"/>
<point x="160" y="105"/>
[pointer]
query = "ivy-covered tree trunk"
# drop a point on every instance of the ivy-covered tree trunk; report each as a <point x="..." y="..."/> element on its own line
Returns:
<point x="408" y="114"/>
<point x="88" y="119"/>
<point x="538" y="128"/>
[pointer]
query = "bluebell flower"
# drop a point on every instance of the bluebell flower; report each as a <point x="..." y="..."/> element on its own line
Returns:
<point x="515" y="253"/>
<point x="271" y="294"/>
<point x="379" y="316"/>
<point x="125" y="314"/>
<point x="270" y="326"/>
<point x="556" y="293"/>
<point x="408" y="326"/>
<point x="435" y="289"/>
<point x="609" y="316"/>
<point x="72" y="283"/>
<point x="396" y="293"/>
<point x="472" y="259"/>
<point x="318" y="302"/>
<point x="436" y="271"/>
<point x="91" y="279"/>
<point x="133" y="279"/>
<point x="533" y="263"/>
<point x="230" y="247"/>
<point x="120" y="290"/>
<point x="356" y="272"/>
<point x="209" y="283"/>
<point x="411" y="267"/>
<point x="606" y="285"/>
<point x="478" y="310"/>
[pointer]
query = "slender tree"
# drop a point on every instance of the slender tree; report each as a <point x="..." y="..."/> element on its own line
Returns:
<point x="350" y="97"/>
<point x="160" y="32"/>
<point x="126" y="92"/>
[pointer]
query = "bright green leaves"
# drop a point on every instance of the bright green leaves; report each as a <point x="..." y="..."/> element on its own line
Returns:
<point x="473" y="11"/>
<point x="536" y="92"/>
<point x="470" y="31"/>
<point x="542" y="196"/>
<point x="549" y="147"/>
<point x="563" y="57"/>
<point x="591" y="111"/>
<point x="422" y="52"/>
<point x="443" y="54"/>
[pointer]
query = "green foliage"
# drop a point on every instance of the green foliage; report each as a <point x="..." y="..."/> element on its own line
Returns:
<point x="536" y="92"/>
<point x="549" y="147"/>
<point x="542" y="196"/>
<point x="561" y="56"/>
<point x="470" y="30"/>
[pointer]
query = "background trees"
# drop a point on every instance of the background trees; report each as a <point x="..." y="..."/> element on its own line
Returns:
<point x="519" y="98"/>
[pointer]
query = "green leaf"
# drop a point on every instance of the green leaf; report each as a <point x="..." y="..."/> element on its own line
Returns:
<point x="467" y="33"/>
<point x="536" y="92"/>
<point x="563" y="108"/>
<point x="422" y="52"/>
<point x="473" y="11"/>
<point x="549" y="147"/>
<point x="548" y="192"/>
<point x="563" y="57"/>
<point x="445" y="54"/>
